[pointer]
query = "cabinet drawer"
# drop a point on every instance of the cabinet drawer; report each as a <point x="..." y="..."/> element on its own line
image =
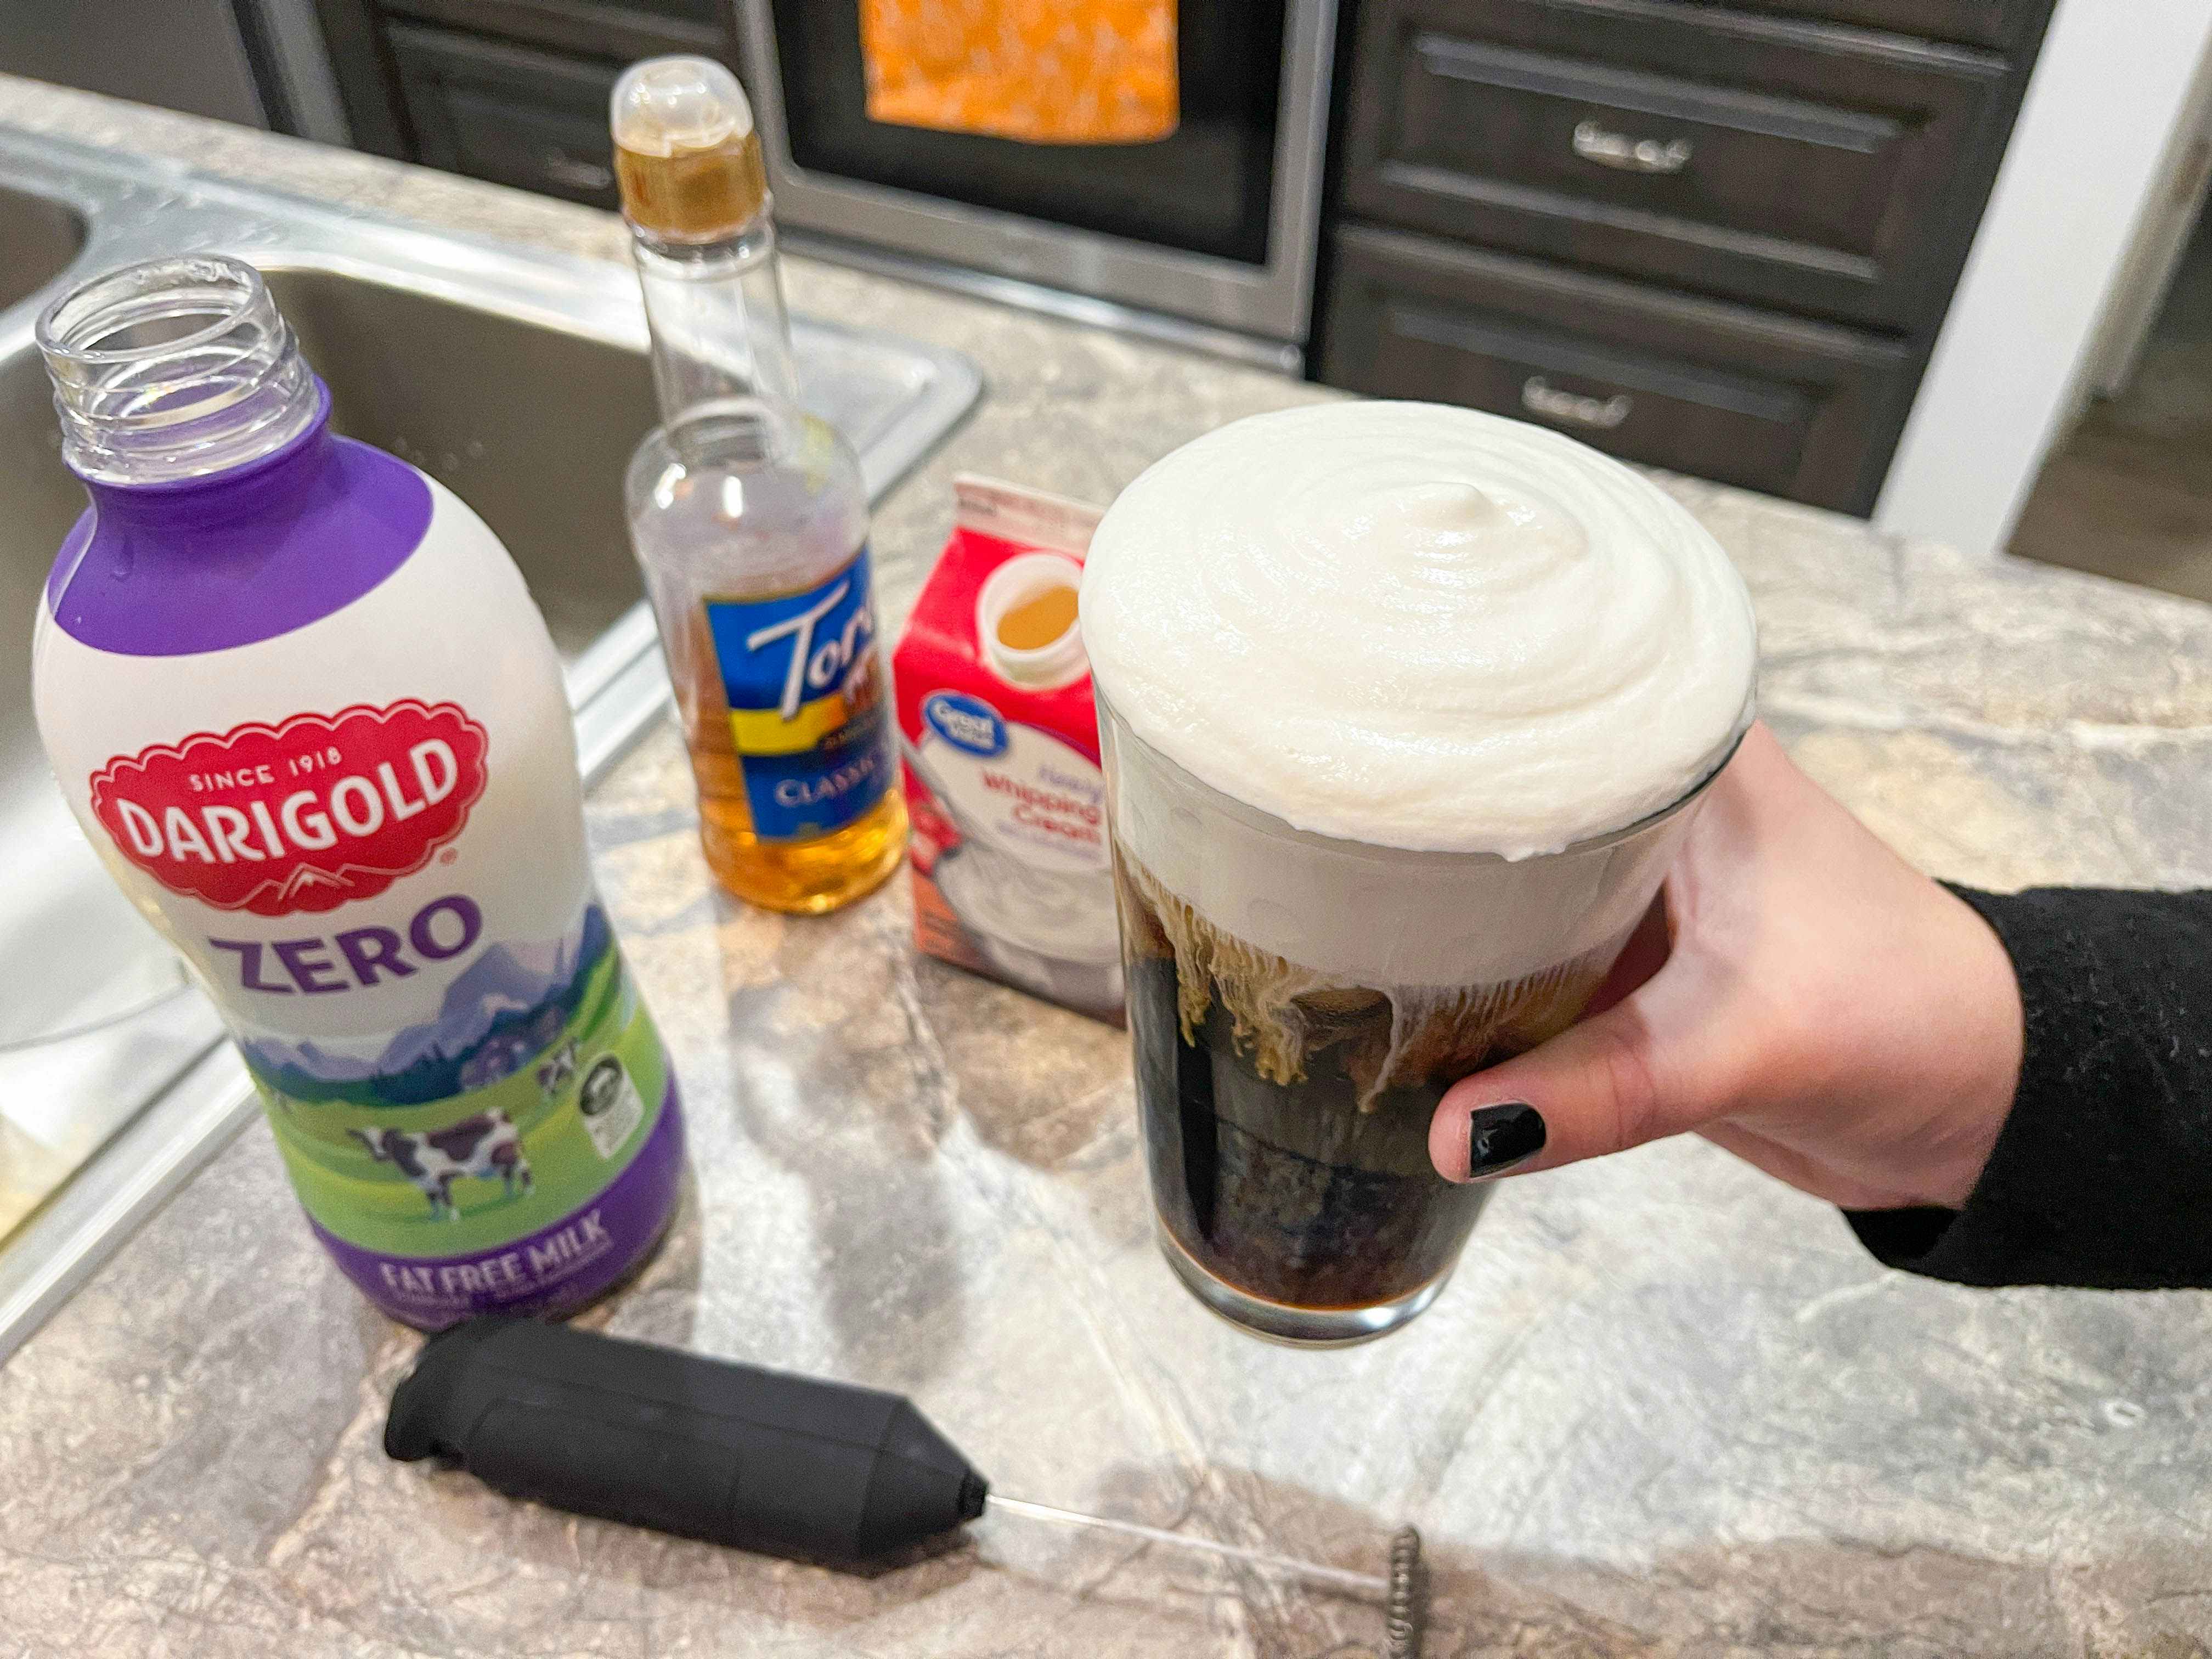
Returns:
<point x="1803" y="410"/>
<point x="622" y="29"/>
<point x="1743" y="155"/>
<point x="514" y="116"/>
<point x="2008" y="24"/>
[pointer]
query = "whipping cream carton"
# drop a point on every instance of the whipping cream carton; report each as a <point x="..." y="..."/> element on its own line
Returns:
<point x="1012" y="872"/>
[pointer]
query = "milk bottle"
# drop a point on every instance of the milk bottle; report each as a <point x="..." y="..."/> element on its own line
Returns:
<point x="298" y="697"/>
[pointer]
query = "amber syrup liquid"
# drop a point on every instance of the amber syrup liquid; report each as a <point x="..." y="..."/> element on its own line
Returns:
<point x="801" y="877"/>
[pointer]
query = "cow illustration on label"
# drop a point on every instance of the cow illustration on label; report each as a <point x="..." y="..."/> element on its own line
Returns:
<point x="557" y="1068"/>
<point x="300" y="700"/>
<point x="484" y="1147"/>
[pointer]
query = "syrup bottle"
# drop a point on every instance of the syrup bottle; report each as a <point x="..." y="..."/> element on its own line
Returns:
<point x="750" y="519"/>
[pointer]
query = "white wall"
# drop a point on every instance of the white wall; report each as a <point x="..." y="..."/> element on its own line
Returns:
<point x="2103" y="106"/>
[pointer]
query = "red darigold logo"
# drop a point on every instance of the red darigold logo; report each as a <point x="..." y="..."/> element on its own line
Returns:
<point x="309" y="814"/>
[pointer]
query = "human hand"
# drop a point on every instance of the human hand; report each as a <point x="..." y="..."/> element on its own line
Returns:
<point x="1799" y="995"/>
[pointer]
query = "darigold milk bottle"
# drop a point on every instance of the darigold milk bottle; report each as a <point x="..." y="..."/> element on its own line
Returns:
<point x="299" y="698"/>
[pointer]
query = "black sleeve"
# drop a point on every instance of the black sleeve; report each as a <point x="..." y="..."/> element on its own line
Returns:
<point x="2102" y="1175"/>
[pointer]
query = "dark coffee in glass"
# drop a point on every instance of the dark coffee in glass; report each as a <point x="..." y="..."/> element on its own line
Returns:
<point x="1291" y="1193"/>
<point x="1292" y="1181"/>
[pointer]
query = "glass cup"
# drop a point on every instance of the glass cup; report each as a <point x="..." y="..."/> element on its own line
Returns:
<point x="1297" y="1006"/>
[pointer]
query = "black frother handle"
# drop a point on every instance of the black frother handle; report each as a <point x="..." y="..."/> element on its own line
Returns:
<point x="708" y="1448"/>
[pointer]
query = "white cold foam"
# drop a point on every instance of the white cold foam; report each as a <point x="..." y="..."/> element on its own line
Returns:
<point x="1423" y="631"/>
<point x="1419" y="627"/>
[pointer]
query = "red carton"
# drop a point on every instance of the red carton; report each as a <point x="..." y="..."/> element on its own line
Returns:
<point x="1000" y="738"/>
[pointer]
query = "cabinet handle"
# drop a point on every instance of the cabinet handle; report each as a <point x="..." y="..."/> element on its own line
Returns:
<point x="1540" y="396"/>
<point x="1617" y="149"/>
<point x="576" y="172"/>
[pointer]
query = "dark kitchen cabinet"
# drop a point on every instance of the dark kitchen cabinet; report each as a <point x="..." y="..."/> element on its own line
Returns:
<point x="513" y="91"/>
<point x="1662" y="144"/>
<point x="2010" y="24"/>
<point x="640" y="28"/>
<point x="507" y="113"/>
<point x="1694" y="385"/>
<point x="1717" y="238"/>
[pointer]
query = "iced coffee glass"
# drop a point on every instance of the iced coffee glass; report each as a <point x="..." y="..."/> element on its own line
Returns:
<point x="1286" y="1108"/>
<point x="1300" y="997"/>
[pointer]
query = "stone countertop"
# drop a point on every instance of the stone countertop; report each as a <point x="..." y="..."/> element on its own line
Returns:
<point x="1667" y="1407"/>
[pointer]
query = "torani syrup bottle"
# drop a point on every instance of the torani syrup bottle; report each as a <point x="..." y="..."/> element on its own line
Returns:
<point x="298" y="697"/>
<point x="750" y="519"/>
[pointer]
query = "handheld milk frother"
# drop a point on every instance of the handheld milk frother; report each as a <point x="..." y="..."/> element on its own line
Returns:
<point x="733" y="1454"/>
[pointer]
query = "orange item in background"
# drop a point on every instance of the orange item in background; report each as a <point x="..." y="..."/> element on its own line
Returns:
<point x="1045" y="71"/>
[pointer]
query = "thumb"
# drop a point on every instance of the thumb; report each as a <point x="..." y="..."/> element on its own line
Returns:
<point x="1603" y="1086"/>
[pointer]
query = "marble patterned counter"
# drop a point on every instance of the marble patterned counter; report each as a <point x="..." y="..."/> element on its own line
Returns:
<point x="1667" y="1407"/>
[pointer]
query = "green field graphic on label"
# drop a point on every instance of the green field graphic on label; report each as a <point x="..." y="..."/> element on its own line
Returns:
<point x="474" y="1169"/>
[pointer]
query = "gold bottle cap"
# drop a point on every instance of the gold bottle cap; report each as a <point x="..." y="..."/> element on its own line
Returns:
<point x="686" y="153"/>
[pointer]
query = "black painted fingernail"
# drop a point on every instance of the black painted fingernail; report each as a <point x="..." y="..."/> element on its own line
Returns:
<point x="1502" y="1137"/>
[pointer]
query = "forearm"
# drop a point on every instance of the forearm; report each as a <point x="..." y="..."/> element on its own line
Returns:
<point x="2102" y="1175"/>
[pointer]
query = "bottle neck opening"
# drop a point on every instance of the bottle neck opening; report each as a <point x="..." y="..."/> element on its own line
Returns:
<point x="172" y="370"/>
<point x="717" y="318"/>
<point x="734" y="433"/>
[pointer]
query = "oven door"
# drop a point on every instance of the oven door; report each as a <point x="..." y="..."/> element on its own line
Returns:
<point x="1175" y="169"/>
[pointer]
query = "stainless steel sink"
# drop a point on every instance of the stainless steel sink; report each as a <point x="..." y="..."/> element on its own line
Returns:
<point x="39" y="237"/>
<point x="533" y="433"/>
<point x="517" y="378"/>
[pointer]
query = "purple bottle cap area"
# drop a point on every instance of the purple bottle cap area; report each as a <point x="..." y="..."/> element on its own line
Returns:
<point x="224" y="511"/>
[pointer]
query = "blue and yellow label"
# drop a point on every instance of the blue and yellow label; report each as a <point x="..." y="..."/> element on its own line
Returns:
<point x="805" y="688"/>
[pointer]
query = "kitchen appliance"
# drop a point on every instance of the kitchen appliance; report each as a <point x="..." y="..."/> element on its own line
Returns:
<point x="1207" y="233"/>
<point x="761" y="1460"/>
